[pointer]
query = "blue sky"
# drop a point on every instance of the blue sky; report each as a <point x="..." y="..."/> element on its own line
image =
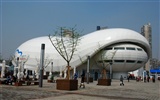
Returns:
<point x="22" y="20"/>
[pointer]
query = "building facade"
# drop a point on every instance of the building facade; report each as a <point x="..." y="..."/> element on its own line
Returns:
<point x="118" y="50"/>
<point x="146" y="31"/>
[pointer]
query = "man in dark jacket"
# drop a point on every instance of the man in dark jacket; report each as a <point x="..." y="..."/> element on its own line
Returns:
<point x="82" y="80"/>
<point x="121" y="79"/>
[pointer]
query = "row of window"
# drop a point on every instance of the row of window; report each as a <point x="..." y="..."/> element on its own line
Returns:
<point x="122" y="61"/>
<point x="123" y="48"/>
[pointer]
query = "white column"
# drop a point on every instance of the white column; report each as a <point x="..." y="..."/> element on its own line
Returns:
<point x="19" y="71"/>
<point x="14" y="71"/>
<point x="15" y="67"/>
<point x="37" y="71"/>
<point x="44" y="73"/>
<point x="60" y="72"/>
<point x="22" y="69"/>
<point x="65" y="73"/>
<point x="26" y="72"/>
<point x="32" y="72"/>
<point x="51" y="69"/>
<point x="74" y="69"/>
<point x="144" y="75"/>
<point x="3" y="68"/>
<point x="22" y="66"/>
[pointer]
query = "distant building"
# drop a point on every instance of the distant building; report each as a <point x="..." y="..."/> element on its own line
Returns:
<point x="146" y="31"/>
<point x="101" y="28"/>
<point x="67" y="33"/>
<point x="154" y="63"/>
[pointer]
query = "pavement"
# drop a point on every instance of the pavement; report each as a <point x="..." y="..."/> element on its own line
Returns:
<point x="130" y="91"/>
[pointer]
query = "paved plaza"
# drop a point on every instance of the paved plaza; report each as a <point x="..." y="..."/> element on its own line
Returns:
<point x="130" y="91"/>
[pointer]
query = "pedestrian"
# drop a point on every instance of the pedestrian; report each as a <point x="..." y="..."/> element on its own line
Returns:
<point x="128" y="77"/>
<point x="9" y="79"/>
<point x="136" y="79"/>
<point x="27" y="78"/>
<point x="121" y="80"/>
<point x="144" y="79"/>
<point x="75" y="76"/>
<point x="82" y="80"/>
<point x="153" y="79"/>
<point x="14" y="78"/>
<point x="148" y="78"/>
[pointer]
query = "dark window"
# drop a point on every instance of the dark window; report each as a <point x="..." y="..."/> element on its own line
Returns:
<point x="108" y="60"/>
<point x="107" y="48"/>
<point x="130" y="61"/>
<point x="119" y="61"/>
<point x="139" y="49"/>
<point x="118" y="48"/>
<point x="130" y="48"/>
<point x="139" y="62"/>
<point x="100" y="61"/>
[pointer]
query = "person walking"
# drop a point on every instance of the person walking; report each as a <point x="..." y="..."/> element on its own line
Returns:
<point x="128" y="77"/>
<point x="148" y="78"/>
<point x="82" y="80"/>
<point x="153" y="79"/>
<point x="9" y="79"/>
<point x="121" y="80"/>
<point x="75" y="76"/>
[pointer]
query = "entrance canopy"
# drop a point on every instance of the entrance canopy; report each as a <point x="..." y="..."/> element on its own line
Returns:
<point x="155" y="71"/>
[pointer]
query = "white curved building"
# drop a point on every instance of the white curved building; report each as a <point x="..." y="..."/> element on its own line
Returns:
<point x="126" y="49"/>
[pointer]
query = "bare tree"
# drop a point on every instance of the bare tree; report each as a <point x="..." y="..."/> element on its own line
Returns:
<point x="47" y="61"/>
<point x="65" y="41"/>
<point x="105" y="64"/>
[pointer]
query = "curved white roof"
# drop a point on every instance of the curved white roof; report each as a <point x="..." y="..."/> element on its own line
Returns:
<point x="89" y="45"/>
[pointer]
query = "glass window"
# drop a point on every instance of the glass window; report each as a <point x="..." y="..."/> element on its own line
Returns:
<point x="139" y="49"/>
<point x="100" y="61"/>
<point x="130" y="48"/>
<point x="107" y="48"/>
<point x="139" y="62"/>
<point x="130" y="61"/>
<point x="118" y="48"/>
<point x="108" y="60"/>
<point x="119" y="61"/>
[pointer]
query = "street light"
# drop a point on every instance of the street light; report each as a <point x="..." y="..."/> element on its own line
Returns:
<point x="111" y="70"/>
<point x="41" y="64"/>
<point x="88" y="65"/>
<point x="51" y="69"/>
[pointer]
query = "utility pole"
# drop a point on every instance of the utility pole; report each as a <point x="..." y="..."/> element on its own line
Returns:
<point x="41" y="65"/>
<point x="51" y="69"/>
<point x="111" y="70"/>
<point x="88" y="65"/>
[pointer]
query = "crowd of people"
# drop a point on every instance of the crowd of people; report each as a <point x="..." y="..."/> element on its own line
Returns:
<point x="138" y="78"/>
<point x="10" y="79"/>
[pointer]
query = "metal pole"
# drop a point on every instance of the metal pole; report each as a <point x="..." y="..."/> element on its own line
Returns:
<point x="88" y="65"/>
<point x="3" y="69"/>
<point x="111" y="71"/>
<point x="15" y="67"/>
<point x="41" y="65"/>
<point x="52" y="67"/>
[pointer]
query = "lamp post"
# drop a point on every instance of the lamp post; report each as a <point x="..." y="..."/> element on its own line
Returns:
<point x="51" y="69"/>
<point x="15" y="70"/>
<point x="3" y="69"/>
<point x="111" y="70"/>
<point x="41" y="64"/>
<point x="88" y="65"/>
